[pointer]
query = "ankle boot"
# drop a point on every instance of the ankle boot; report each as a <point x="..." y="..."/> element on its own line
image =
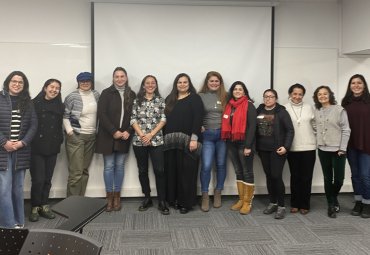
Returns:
<point x="357" y="210"/>
<point x="117" y="201"/>
<point x="217" y="199"/>
<point x="46" y="212"/>
<point x="238" y="205"/>
<point x="205" y="202"/>
<point x="247" y="199"/>
<point x="365" y="213"/>
<point x="34" y="216"/>
<point x="109" y="207"/>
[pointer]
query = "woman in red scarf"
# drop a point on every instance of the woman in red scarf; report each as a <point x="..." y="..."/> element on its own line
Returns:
<point x="238" y="129"/>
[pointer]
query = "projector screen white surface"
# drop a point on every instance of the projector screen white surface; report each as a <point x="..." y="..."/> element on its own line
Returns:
<point x="164" y="40"/>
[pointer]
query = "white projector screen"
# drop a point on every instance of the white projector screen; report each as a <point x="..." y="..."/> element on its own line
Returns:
<point x="164" y="40"/>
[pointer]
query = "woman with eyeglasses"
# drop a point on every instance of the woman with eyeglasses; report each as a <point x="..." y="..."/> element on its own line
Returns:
<point x="275" y="134"/>
<point x="80" y="124"/>
<point x="18" y="125"/>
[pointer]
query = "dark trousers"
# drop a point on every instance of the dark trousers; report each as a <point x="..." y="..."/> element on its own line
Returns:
<point x="333" y="170"/>
<point x="243" y="165"/>
<point x="42" y="169"/>
<point x="273" y="165"/>
<point x="301" y="164"/>
<point x="142" y="154"/>
<point x="182" y="173"/>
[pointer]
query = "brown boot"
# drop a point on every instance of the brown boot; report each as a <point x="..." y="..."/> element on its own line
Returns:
<point x="239" y="204"/>
<point x="205" y="202"/>
<point x="117" y="201"/>
<point x="217" y="199"/>
<point x="109" y="207"/>
<point x="247" y="199"/>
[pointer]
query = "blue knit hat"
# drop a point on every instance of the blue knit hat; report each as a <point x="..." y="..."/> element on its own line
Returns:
<point x="84" y="76"/>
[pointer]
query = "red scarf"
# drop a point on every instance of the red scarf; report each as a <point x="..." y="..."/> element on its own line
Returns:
<point x="235" y="131"/>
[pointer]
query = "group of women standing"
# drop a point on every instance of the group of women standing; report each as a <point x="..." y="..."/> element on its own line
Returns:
<point x="176" y="133"/>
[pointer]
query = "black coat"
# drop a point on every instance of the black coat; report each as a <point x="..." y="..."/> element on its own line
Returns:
<point x="49" y="135"/>
<point x="283" y="127"/>
<point x="109" y="115"/>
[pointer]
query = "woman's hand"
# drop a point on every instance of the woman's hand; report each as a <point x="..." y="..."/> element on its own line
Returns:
<point x="247" y="152"/>
<point x="193" y="145"/>
<point x="281" y="150"/>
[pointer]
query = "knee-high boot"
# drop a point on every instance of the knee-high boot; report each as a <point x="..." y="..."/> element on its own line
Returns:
<point x="247" y="199"/>
<point x="239" y="203"/>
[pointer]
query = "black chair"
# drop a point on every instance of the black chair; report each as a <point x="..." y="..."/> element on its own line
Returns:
<point x="11" y="240"/>
<point x="59" y="242"/>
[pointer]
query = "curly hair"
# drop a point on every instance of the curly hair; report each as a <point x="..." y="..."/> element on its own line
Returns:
<point x="332" y="100"/>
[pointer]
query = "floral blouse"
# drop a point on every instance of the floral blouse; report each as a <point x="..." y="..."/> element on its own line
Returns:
<point x="147" y="115"/>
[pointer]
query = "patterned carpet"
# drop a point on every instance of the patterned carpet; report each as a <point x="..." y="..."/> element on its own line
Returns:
<point x="223" y="232"/>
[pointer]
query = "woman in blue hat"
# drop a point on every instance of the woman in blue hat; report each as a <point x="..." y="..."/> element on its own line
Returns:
<point x="80" y="120"/>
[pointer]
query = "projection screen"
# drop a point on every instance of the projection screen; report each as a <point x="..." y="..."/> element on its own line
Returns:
<point x="164" y="40"/>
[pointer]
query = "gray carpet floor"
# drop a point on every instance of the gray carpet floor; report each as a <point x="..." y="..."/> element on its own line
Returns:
<point x="221" y="231"/>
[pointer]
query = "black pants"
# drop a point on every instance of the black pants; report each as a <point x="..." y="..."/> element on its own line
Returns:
<point x="42" y="169"/>
<point x="243" y="165"/>
<point x="333" y="169"/>
<point x="301" y="164"/>
<point x="182" y="174"/>
<point x="273" y="165"/>
<point x="142" y="154"/>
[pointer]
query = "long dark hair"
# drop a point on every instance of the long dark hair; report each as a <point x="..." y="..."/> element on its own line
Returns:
<point x="348" y="98"/>
<point x="246" y="92"/>
<point x="24" y="97"/>
<point x="171" y="99"/>
<point x="141" y="94"/>
<point x="46" y="84"/>
<point x="332" y="100"/>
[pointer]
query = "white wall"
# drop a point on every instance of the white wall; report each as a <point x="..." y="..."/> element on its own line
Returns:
<point x="356" y="20"/>
<point x="306" y="51"/>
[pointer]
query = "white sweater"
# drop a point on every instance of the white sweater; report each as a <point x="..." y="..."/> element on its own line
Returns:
<point x="303" y="118"/>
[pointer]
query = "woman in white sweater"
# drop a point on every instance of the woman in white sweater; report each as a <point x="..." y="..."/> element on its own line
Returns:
<point x="302" y="154"/>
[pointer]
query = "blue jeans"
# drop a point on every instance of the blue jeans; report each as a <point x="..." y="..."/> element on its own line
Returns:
<point x="360" y="168"/>
<point x="11" y="195"/>
<point x="114" y="166"/>
<point x="213" y="147"/>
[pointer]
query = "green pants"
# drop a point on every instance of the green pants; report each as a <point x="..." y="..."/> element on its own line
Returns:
<point x="80" y="151"/>
<point x="333" y="170"/>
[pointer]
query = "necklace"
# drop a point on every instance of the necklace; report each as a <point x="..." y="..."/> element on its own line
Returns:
<point x="296" y="115"/>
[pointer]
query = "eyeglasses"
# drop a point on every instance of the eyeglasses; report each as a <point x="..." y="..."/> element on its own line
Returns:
<point x="17" y="82"/>
<point x="268" y="97"/>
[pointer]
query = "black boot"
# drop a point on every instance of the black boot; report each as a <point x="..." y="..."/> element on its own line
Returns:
<point x="365" y="211"/>
<point x="357" y="210"/>
<point x="162" y="207"/>
<point x="331" y="212"/>
<point x="147" y="202"/>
